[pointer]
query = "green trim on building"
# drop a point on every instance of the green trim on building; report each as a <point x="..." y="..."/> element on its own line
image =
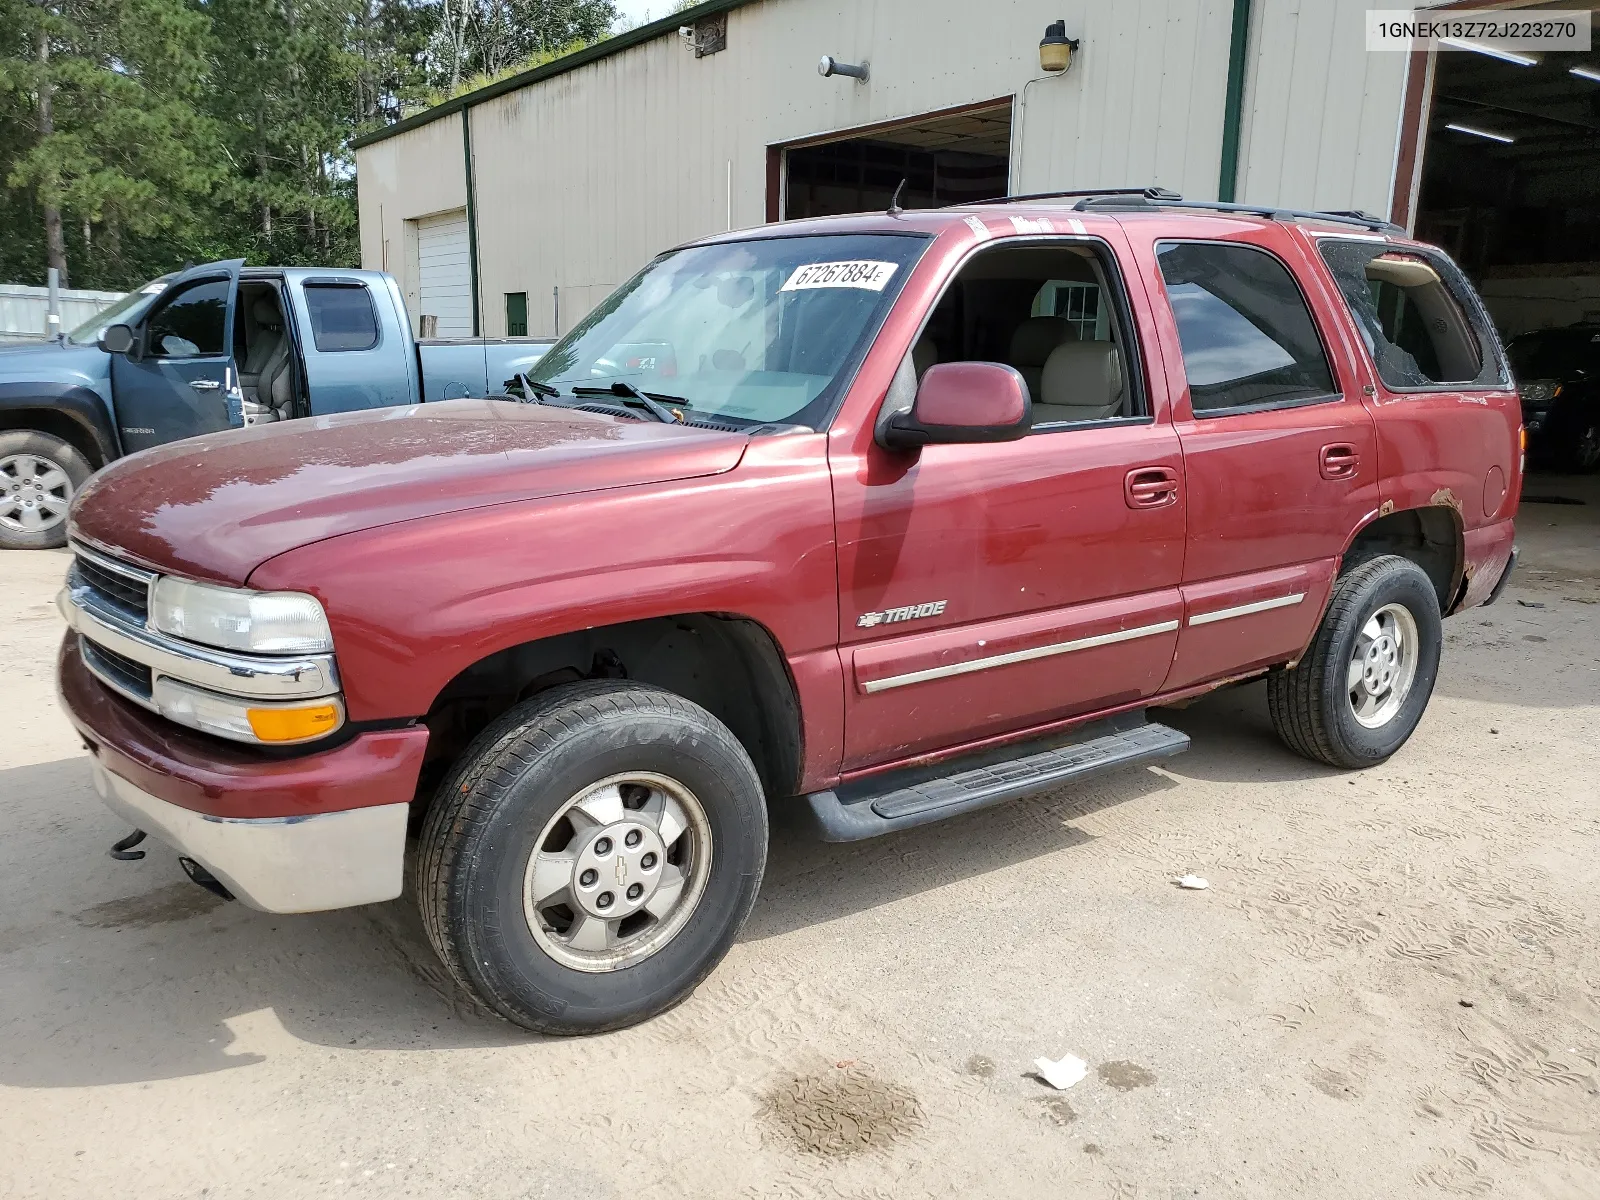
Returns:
<point x="1233" y="106"/>
<point x="560" y="66"/>
<point x="472" y="218"/>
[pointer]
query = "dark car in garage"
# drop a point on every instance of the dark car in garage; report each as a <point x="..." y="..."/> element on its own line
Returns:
<point x="1558" y="378"/>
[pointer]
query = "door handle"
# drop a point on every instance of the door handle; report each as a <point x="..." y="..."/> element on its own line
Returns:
<point x="1340" y="461"/>
<point x="204" y="385"/>
<point x="1150" y="487"/>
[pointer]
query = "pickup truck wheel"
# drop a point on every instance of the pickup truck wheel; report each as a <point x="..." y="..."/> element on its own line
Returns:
<point x="1361" y="689"/>
<point x="39" y="474"/>
<point x="592" y="856"/>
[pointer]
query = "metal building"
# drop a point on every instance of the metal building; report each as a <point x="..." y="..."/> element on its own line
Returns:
<point x="517" y="208"/>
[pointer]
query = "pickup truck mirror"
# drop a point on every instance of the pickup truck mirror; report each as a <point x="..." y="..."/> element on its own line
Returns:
<point x="116" y="339"/>
<point x="963" y="402"/>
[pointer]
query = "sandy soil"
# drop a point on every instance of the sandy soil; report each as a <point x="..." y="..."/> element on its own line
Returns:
<point x="1390" y="989"/>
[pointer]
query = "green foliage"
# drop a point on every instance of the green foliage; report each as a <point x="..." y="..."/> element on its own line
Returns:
<point x="189" y="130"/>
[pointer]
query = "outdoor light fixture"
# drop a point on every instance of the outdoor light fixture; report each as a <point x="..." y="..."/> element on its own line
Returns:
<point x="1585" y="73"/>
<point x="830" y="66"/>
<point x="1510" y="56"/>
<point x="1503" y="138"/>
<point x="1056" y="48"/>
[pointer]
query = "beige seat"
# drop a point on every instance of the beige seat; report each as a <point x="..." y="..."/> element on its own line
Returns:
<point x="1082" y="381"/>
<point x="1032" y="344"/>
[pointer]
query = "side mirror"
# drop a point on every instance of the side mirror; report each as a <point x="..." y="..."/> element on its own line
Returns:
<point x="963" y="402"/>
<point x="116" y="339"/>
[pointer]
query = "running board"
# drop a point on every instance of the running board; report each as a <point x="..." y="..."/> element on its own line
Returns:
<point x="904" y="799"/>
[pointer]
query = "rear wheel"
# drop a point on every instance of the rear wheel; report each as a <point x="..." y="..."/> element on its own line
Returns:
<point x="1359" y="692"/>
<point x="592" y="856"/>
<point x="39" y="475"/>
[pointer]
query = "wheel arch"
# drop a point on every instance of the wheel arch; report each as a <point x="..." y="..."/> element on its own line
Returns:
<point x="76" y="415"/>
<point x="1431" y="536"/>
<point x="729" y="664"/>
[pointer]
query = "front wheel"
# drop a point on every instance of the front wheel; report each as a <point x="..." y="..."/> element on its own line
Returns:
<point x="1359" y="692"/>
<point x="39" y="475"/>
<point x="592" y="856"/>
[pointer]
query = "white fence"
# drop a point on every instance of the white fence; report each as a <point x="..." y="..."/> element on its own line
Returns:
<point x="23" y="310"/>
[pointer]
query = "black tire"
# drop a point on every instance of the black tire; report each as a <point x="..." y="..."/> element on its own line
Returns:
<point x="1310" y="702"/>
<point x="513" y="779"/>
<point x="69" y="458"/>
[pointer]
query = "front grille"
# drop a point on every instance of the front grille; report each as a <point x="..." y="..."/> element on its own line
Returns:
<point x="130" y="592"/>
<point x="117" y="669"/>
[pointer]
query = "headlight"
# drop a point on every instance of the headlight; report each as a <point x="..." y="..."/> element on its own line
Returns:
<point x="1539" y="394"/>
<point x="247" y="720"/>
<point x="237" y="619"/>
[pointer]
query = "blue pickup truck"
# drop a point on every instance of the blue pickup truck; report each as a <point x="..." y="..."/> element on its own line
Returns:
<point x="216" y="347"/>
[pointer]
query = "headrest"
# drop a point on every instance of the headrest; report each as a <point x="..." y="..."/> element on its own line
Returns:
<point x="1037" y="336"/>
<point x="1083" y="373"/>
<point x="265" y="311"/>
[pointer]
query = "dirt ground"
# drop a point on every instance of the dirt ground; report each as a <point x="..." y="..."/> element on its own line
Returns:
<point x="1391" y="989"/>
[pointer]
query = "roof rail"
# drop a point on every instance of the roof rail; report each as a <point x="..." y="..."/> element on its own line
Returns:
<point x="1145" y="193"/>
<point x="1272" y="212"/>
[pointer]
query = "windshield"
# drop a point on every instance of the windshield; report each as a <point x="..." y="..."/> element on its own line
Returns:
<point x="1556" y="354"/>
<point x="124" y="312"/>
<point x="752" y="332"/>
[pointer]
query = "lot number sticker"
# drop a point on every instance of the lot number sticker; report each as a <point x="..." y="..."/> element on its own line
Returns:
<point x="868" y="276"/>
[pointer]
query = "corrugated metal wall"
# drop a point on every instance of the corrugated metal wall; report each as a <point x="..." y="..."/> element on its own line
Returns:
<point x="23" y="310"/>
<point x="1321" y="113"/>
<point x="582" y="178"/>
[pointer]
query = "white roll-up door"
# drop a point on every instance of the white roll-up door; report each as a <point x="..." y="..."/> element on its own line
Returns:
<point x="444" y="274"/>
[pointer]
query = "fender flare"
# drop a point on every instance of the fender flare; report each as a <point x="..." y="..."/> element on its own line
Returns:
<point x="79" y="405"/>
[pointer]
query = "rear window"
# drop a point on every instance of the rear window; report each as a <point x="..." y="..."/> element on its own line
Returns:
<point x="342" y="317"/>
<point x="1418" y="316"/>
<point x="1248" y="338"/>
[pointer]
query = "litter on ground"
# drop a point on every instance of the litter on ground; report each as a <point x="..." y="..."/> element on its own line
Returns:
<point x="1193" y="882"/>
<point x="1061" y="1075"/>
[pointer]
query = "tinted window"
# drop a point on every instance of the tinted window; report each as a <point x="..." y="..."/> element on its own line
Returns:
<point x="191" y="324"/>
<point x="1248" y="338"/>
<point x="341" y="317"/>
<point x="1416" y="314"/>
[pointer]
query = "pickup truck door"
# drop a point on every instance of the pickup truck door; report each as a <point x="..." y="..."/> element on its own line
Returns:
<point x="179" y="379"/>
<point x="990" y="589"/>
<point x="356" y="345"/>
<point x="1279" y="452"/>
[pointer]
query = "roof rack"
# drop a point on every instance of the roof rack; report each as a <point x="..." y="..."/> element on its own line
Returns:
<point x="1114" y="199"/>
<point x="1104" y="201"/>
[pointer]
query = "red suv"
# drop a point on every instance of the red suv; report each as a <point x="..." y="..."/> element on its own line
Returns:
<point x="884" y="517"/>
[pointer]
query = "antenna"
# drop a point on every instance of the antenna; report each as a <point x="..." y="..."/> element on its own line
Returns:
<point x="894" y="205"/>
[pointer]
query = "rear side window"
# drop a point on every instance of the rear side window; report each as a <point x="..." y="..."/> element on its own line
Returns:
<point x="342" y="317"/>
<point x="192" y="322"/>
<point x="1248" y="338"/>
<point x="1417" y="315"/>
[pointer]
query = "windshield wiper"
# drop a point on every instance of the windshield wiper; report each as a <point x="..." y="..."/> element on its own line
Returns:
<point x="532" y="389"/>
<point x="649" y="401"/>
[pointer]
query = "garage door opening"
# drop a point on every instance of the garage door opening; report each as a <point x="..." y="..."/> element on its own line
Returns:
<point x="1511" y="187"/>
<point x="944" y="158"/>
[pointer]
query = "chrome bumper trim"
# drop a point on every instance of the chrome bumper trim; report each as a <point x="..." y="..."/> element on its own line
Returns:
<point x="277" y="864"/>
<point x="303" y="677"/>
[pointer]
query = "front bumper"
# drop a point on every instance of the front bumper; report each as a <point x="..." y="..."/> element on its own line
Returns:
<point x="284" y="834"/>
<point x="277" y="864"/>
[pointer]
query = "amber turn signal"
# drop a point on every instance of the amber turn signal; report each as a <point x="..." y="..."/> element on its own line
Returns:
<point x="293" y="724"/>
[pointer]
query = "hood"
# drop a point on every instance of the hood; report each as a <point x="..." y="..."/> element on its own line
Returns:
<point x="52" y="362"/>
<point x="218" y="506"/>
